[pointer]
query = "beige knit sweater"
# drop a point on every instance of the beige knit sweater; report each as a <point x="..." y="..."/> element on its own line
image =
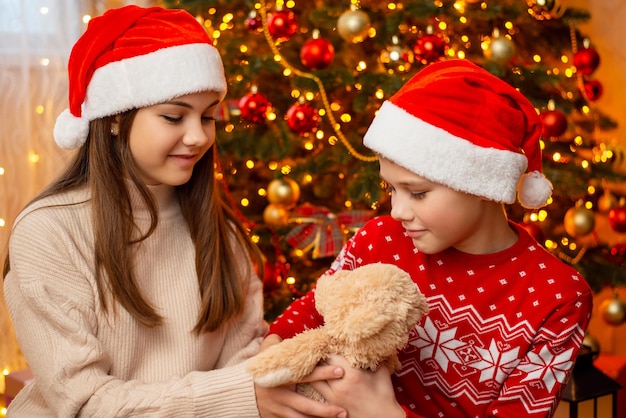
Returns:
<point x="86" y="363"/>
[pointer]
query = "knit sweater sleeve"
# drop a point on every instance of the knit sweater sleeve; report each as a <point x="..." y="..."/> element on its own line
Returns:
<point x="55" y="310"/>
<point x="539" y="379"/>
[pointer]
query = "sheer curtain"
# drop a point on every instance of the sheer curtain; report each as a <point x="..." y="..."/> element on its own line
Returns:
<point x="36" y="37"/>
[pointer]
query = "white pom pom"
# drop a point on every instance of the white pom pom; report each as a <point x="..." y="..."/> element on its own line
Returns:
<point x="534" y="190"/>
<point x="69" y="131"/>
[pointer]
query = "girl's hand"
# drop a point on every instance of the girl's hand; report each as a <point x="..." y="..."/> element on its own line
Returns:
<point x="364" y="394"/>
<point x="284" y="402"/>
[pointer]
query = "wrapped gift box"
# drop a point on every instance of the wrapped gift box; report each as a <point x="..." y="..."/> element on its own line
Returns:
<point x="14" y="382"/>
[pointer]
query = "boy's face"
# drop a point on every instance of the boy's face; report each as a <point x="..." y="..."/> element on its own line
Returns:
<point x="435" y="216"/>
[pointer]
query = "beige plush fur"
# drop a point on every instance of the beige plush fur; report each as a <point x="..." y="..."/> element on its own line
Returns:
<point x="368" y="314"/>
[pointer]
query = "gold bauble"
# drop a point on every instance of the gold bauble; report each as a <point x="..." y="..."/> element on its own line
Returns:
<point x="353" y="25"/>
<point x="579" y="221"/>
<point x="606" y="202"/>
<point x="276" y="215"/>
<point x="613" y="311"/>
<point x="283" y="191"/>
<point x="501" y="49"/>
<point x="590" y="342"/>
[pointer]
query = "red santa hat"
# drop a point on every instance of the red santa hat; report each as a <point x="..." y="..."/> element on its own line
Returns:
<point x="133" y="57"/>
<point x="456" y="124"/>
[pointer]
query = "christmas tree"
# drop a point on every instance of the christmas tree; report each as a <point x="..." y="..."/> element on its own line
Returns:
<point x="306" y="78"/>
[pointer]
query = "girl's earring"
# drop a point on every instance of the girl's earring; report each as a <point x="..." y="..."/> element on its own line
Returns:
<point x="113" y="131"/>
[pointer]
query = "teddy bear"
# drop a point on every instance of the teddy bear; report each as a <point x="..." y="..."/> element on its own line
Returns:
<point x="368" y="313"/>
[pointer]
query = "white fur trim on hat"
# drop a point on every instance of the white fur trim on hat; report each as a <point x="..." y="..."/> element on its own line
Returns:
<point x="142" y="81"/>
<point x="444" y="158"/>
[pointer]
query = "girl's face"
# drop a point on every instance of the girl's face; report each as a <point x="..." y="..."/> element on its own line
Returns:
<point x="167" y="139"/>
<point x="434" y="216"/>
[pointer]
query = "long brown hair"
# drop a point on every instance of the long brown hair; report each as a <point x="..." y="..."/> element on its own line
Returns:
<point x="105" y="164"/>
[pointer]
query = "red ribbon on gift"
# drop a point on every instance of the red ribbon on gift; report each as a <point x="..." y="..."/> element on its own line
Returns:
<point x="321" y="230"/>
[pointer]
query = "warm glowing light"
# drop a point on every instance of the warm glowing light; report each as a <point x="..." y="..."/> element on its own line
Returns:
<point x="591" y="190"/>
<point x="1" y="171"/>
<point x="392" y="6"/>
<point x="332" y="140"/>
<point x="319" y="134"/>
<point x="44" y="10"/>
<point x="229" y="128"/>
<point x="33" y="157"/>
<point x="308" y="146"/>
<point x="334" y="106"/>
<point x="255" y="238"/>
<point x="244" y="202"/>
<point x="278" y="58"/>
<point x="443" y="25"/>
<point x="271" y="115"/>
<point x="291" y="280"/>
<point x="361" y="66"/>
<point x="243" y="48"/>
<point x="262" y="192"/>
<point x="250" y="164"/>
<point x="286" y="72"/>
<point x="39" y="109"/>
<point x="348" y="204"/>
<point x="556" y="157"/>
<point x="380" y="94"/>
<point x="273" y="165"/>
<point x="589" y="205"/>
<point x="86" y="19"/>
<point x="307" y="178"/>
<point x="44" y="62"/>
<point x="219" y="176"/>
<point x="285" y="169"/>
<point x="345" y="117"/>
<point x="227" y="17"/>
<point x="309" y="95"/>
<point x="537" y="58"/>
<point x="542" y="215"/>
<point x="585" y="164"/>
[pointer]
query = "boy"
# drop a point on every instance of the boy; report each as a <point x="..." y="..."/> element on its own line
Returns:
<point x="506" y="318"/>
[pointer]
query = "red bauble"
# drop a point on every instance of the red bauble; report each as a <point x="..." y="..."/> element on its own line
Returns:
<point x="271" y="276"/>
<point x="617" y="254"/>
<point x="282" y="25"/>
<point x="534" y="230"/>
<point x="429" y="48"/>
<point x="617" y="218"/>
<point x="554" y="123"/>
<point x="253" y="107"/>
<point x="253" y="22"/>
<point x="586" y="61"/>
<point x="593" y="89"/>
<point x="317" y="54"/>
<point x="302" y="118"/>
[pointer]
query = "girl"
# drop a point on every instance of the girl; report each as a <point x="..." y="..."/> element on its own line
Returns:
<point x="131" y="285"/>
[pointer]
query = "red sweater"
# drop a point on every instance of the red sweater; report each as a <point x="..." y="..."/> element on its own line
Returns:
<point x="502" y="333"/>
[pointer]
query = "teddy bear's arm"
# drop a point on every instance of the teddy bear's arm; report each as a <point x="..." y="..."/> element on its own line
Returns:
<point x="290" y="360"/>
